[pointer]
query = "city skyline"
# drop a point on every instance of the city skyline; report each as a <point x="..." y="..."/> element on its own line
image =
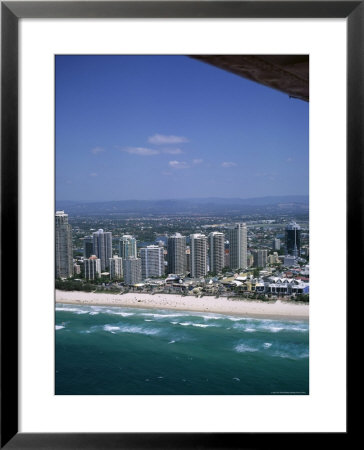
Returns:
<point x="152" y="127"/>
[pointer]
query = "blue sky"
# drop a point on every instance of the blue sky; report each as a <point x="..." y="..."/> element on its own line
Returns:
<point x="164" y="127"/>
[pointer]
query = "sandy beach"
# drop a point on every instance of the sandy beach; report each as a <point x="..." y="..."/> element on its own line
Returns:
<point x="278" y="309"/>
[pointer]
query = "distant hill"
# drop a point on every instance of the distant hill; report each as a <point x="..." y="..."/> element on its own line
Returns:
<point x="193" y="206"/>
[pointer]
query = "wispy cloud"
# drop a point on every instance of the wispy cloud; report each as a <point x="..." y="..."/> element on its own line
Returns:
<point x="97" y="150"/>
<point x="289" y="160"/>
<point x="93" y="174"/>
<point x="197" y="161"/>
<point x="178" y="165"/>
<point x="162" y="139"/>
<point x="228" y="164"/>
<point x="141" y="151"/>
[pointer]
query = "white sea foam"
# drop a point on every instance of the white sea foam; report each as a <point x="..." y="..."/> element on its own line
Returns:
<point x="94" y="313"/>
<point x="129" y="329"/>
<point x="267" y="345"/>
<point x="291" y="351"/>
<point x="242" y="348"/>
<point x="275" y="329"/>
<point x="111" y="328"/>
<point x="60" y="327"/>
<point x="268" y="326"/>
<point x="70" y="309"/>
<point x="200" y="325"/>
<point x="301" y="329"/>
<point x="245" y="327"/>
<point x="119" y="313"/>
<point x="162" y="316"/>
<point x="211" y="317"/>
<point x="291" y="355"/>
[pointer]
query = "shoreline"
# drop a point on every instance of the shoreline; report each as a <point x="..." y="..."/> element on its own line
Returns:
<point x="245" y="308"/>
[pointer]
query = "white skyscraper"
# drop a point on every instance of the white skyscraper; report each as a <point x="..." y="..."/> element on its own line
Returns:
<point x="152" y="261"/>
<point x="103" y="247"/>
<point x="132" y="268"/>
<point x="237" y="236"/>
<point x="276" y="244"/>
<point x="64" y="258"/>
<point x="92" y="267"/>
<point x="198" y="255"/>
<point x="216" y="251"/>
<point x="116" y="267"/>
<point x="127" y="246"/>
<point x="177" y="254"/>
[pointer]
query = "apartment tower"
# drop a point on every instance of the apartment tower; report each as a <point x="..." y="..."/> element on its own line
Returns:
<point x="116" y="267"/>
<point x="88" y="246"/>
<point x="127" y="246"/>
<point x="198" y="248"/>
<point x="260" y="257"/>
<point x="177" y="254"/>
<point x="64" y="257"/>
<point x="102" y="244"/>
<point x="237" y="236"/>
<point x="216" y="251"/>
<point x="92" y="267"/>
<point x="132" y="268"/>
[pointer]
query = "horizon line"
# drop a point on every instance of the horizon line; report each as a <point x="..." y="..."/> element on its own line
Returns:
<point x="184" y="198"/>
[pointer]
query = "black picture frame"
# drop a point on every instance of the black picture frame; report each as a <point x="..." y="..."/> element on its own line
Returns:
<point x="11" y="12"/>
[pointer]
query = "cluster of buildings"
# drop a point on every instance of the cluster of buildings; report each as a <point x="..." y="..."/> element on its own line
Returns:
<point x="203" y="255"/>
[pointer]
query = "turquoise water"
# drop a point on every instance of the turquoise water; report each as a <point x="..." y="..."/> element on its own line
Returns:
<point x="111" y="351"/>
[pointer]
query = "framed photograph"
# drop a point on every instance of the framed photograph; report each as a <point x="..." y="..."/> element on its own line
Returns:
<point x="186" y="175"/>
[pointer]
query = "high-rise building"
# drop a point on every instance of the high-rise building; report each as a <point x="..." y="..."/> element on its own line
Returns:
<point x="92" y="267"/>
<point x="88" y="246"/>
<point x="177" y="254"/>
<point x="64" y="257"/>
<point x="102" y="243"/>
<point x="260" y="257"/>
<point x="293" y="239"/>
<point x="216" y="251"/>
<point x="237" y="236"/>
<point x="273" y="259"/>
<point x="250" y="260"/>
<point x="132" y="268"/>
<point x="116" y="267"/>
<point x="152" y="261"/>
<point x="276" y="244"/>
<point x="198" y="255"/>
<point x="127" y="246"/>
<point x="188" y="259"/>
<point x="227" y="258"/>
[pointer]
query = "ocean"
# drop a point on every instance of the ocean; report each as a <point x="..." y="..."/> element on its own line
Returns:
<point x="103" y="350"/>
